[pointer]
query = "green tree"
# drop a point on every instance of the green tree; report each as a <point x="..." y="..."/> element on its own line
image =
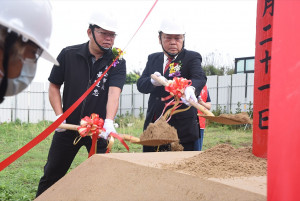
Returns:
<point x="212" y="70"/>
<point x="131" y="78"/>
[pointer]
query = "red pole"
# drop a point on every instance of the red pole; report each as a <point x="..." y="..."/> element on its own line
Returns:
<point x="264" y="26"/>
<point x="284" y="125"/>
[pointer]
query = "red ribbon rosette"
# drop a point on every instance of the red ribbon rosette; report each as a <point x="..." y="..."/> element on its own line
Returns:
<point x="91" y="126"/>
<point x="177" y="86"/>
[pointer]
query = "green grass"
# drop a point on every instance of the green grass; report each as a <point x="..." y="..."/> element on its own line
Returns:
<point x="19" y="180"/>
<point x="225" y="135"/>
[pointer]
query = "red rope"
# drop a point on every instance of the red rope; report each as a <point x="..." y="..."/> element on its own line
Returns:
<point x="6" y="162"/>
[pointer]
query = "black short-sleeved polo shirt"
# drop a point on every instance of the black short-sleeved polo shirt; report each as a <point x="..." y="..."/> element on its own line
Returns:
<point x="77" y="73"/>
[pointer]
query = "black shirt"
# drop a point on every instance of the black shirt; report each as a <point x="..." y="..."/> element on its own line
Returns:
<point x="77" y="72"/>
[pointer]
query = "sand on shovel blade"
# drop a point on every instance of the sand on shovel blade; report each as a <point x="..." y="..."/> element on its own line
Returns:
<point x="159" y="133"/>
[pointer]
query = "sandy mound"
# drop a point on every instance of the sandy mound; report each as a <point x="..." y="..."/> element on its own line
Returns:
<point x="159" y="133"/>
<point x="103" y="178"/>
<point x="222" y="161"/>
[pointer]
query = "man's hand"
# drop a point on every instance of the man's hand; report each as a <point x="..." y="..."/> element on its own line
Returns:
<point x="155" y="83"/>
<point x="189" y="95"/>
<point x="109" y="127"/>
<point x="60" y="129"/>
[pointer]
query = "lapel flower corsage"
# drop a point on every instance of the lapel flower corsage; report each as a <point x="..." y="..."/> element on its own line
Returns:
<point x="174" y="69"/>
<point x="116" y="52"/>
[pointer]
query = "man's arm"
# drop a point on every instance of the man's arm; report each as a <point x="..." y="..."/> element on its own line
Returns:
<point x="55" y="98"/>
<point x="112" y="102"/>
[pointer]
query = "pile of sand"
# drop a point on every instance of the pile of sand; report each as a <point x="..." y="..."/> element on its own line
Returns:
<point x="222" y="161"/>
<point x="159" y="133"/>
<point x="104" y="178"/>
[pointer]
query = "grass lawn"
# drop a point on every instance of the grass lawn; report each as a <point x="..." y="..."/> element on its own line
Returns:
<point x="19" y="180"/>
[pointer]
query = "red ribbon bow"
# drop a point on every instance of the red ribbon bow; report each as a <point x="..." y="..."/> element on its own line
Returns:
<point x="177" y="86"/>
<point x="91" y="125"/>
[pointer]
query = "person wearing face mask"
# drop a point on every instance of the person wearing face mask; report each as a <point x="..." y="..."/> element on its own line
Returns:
<point x="80" y="66"/>
<point x="22" y="42"/>
<point x="173" y="61"/>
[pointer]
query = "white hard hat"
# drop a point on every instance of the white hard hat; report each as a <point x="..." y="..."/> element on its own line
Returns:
<point x="30" y="18"/>
<point x="104" y="20"/>
<point x="171" y="26"/>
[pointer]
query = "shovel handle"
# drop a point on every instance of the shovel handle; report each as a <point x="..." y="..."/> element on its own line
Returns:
<point x="69" y="126"/>
<point x="130" y="138"/>
<point x="194" y="104"/>
<point x="126" y="137"/>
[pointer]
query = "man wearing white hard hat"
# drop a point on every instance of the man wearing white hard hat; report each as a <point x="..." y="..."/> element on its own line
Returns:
<point x="80" y="66"/>
<point x="173" y="61"/>
<point x="25" y="29"/>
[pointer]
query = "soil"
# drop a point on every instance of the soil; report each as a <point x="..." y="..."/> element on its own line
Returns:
<point x="104" y="178"/>
<point x="230" y="119"/>
<point x="160" y="131"/>
<point x="175" y="146"/>
<point x="222" y="161"/>
<point x="241" y="117"/>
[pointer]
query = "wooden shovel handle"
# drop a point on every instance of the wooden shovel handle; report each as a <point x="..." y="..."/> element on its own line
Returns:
<point x="68" y="127"/>
<point x="194" y="104"/>
<point x="126" y="137"/>
<point x="130" y="138"/>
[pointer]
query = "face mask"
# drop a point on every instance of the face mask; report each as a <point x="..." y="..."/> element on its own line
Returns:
<point x="16" y="85"/>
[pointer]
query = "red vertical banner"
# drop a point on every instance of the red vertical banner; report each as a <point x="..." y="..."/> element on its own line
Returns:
<point x="284" y="125"/>
<point x="264" y="26"/>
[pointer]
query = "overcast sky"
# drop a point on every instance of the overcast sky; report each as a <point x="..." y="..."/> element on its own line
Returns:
<point x="225" y="27"/>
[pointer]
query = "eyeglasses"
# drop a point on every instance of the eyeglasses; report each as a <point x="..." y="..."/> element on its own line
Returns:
<point x="105" y="34"/>
<point x="33" y="52"/>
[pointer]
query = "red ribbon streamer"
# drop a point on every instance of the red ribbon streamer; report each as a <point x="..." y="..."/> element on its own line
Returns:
<point x="141" y="23"/>
<point x="6" y="162"/>
<point x="115" y="135"/>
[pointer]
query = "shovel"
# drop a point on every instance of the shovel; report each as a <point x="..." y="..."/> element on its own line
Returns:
<point x="231" y="119"/>
<point x="126" y="137"/>
<point x="129" y="138"/>
<point x="228" y="119"/>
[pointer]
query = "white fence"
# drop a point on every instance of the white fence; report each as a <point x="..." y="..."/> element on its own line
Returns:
<point x="32" y="105"/>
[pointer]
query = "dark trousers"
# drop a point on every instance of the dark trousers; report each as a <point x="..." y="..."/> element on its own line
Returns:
<point x="61" y="155"/>
<point x="199" y="142"/>
<point x="187" y="147"/>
